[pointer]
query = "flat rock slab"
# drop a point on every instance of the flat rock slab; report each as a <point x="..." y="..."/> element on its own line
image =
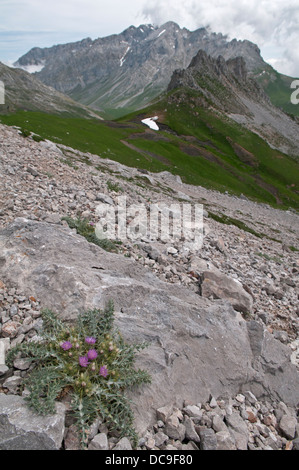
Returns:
<point x="197" y="347"/>
<point x="21" y="429"/>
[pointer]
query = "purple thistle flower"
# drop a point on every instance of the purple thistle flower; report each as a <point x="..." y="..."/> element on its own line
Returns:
<point x="90" y="340"/>
<point x="66" y="345"/>
<point x="92" y="354"/>
<point x="103" y="371"/>
<point x="83" y="361"/>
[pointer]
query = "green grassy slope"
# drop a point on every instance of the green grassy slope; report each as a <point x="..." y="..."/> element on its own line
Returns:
<point x="207" y="150"/>
<point x="278" y="87"/>
<point x="194" y="142"/>
<point x="87" y="135"/>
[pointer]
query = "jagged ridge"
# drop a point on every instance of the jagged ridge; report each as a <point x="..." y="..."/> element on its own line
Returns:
<point x="124" y="72"/>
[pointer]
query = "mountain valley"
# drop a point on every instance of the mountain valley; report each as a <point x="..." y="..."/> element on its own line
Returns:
<point x="166" y="118"/>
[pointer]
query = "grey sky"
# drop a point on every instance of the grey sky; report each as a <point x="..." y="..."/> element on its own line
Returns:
<point x="272" y="24"/>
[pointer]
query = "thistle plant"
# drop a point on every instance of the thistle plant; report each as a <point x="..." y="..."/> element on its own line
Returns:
<point x="91" y="361"/>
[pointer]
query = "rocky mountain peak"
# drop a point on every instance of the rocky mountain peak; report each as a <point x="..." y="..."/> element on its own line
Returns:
<point x="204" y="62"/>
<point x="125" y="71"/>
<point x="210" y="75"/>
<point x="238" y="67"/>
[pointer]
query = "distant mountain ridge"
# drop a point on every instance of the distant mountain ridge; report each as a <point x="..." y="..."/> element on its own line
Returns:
<point x="24" y="91"/>
<point x="220" y="81"/>
<point x="228" y="87"/>
<point x="216" y="128"/>
<point x="124" y="72"/>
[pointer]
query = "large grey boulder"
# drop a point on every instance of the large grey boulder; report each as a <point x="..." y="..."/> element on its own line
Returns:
<point x="22" y="429"/>
<point x="197" y="347"/>
<point x="219" y="286"/>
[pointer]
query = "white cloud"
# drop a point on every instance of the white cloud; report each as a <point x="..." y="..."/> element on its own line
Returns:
<point x="29" y="23"/>
<point x="271" y="24"/>
<point x="265" y="22"/>
<point x="92" y="16"/>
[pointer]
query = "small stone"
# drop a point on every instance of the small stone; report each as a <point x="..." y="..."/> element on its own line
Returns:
<point x="251" y="417"/>
<point x="281" y="336"/>
<point x="213" y="403"/>
<point x="13" y="310"/>
<point x="191" y="433"/>
<point x="239" y="430"/>
<point x="141" y="442"/>
<point x="240" y="398"/>
<point x="218" y="424"/>
<point x="174" y="429"/>
<point x="268" y="421"/>
<point x="104" y="198"/>
<point x="281" y="410"/>
<point x="225" y="441"/>
<point x="3" y="369"/>
<point x="288" y="425"/>
<point x="160" y="438"/>
<point x="271" y="443"/>
<point x="193" y="411"/>
<point x="13" y="383"/>
<point x="262" y="429"/>
<point x="99" y="442"/>
<point x="123" y="444"/>
<point x="18" y="340"/>
<point x="164" y="413"/>
<point x="220" y="245"/>
<point x="250" y="397"/>
<point x="72" y="440"/>
<point x="32" y="171"/>
<point x="178" y="414"/>
<point x="171" y="250"/>
<point x="208" y="439"/>
<point x="94" y="428"/>
<point x="22" y="364"/>
<point x="150" y="443"/>
<point x="10" y="329"/>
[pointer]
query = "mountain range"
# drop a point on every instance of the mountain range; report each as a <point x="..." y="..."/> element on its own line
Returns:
<point x="226" y="86"/>
<point x="220" y="321"/>
<point x="124" y="72"/>
<point x="217" y="123"/>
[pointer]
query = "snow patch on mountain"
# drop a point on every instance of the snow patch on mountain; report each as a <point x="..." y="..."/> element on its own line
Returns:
<point x="122" y="60"/>
<point x="162" y="32"/>
<point x="150" y="122"/>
